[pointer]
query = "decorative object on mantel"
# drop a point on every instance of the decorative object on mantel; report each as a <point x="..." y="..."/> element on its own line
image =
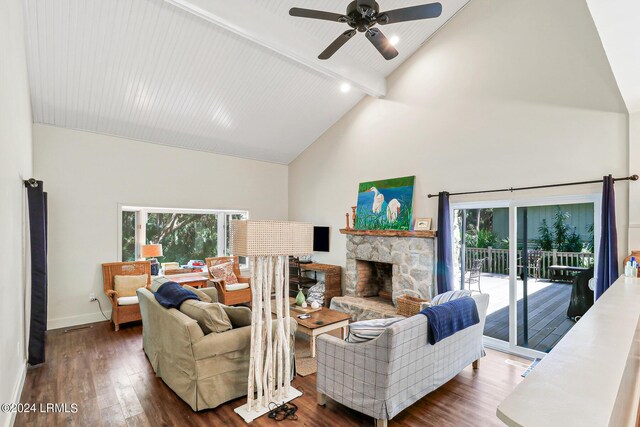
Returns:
<point x="353" y="216"/>
<point x="268" y="244"/>
<point x="347" y="217"/>
<point x="422" y="224"/>
<point x="391" y="233"/>
<point x="409" y="306"/>
<point x="385" y="204"/>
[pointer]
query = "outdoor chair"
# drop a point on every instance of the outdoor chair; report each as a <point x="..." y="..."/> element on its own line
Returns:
<point x="475" y="273"/>
<point x="534" y="264"/>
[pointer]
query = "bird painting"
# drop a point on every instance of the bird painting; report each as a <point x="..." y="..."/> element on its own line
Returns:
<point x="385" y="204"/>
<point x="393" y="210"/>
<point x="378" y="200"/>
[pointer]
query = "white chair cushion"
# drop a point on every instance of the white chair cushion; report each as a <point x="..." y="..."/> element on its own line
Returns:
<point x="128" y="300"/>
<point x="236" y="286"/>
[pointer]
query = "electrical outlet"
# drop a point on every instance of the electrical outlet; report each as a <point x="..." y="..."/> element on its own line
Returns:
<point x="92" y="296"/>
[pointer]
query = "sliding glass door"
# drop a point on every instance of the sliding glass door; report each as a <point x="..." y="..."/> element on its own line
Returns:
<point x="481" y="254"/>
<point x="526" y="254"/>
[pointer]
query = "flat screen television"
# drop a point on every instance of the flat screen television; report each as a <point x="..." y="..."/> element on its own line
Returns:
<point x="320" y="239"/>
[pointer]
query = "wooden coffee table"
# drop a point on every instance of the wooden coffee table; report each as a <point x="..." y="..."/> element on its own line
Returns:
<point x="321" y="321"/>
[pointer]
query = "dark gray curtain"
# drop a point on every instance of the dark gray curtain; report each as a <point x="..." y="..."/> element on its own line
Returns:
<point x="37" y="200"/>
<point x="444" y="269"/>
<point x="608" y="257"/>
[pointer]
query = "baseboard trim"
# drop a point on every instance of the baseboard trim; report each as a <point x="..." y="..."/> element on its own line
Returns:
<point x="81" y="319"/>
<point x="17" y="392"/>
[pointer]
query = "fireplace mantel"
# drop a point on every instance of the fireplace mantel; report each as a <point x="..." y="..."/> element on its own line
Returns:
<point x="390" y="233"/>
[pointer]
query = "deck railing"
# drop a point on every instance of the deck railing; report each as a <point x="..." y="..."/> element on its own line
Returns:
<point x="498" y="260"/>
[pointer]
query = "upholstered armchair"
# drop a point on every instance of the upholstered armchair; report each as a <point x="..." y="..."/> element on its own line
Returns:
<point x="230" y="294"/>
<point x="124" y="308"/>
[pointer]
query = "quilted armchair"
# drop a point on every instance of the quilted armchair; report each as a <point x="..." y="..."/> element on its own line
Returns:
<point x="383" y="376"/>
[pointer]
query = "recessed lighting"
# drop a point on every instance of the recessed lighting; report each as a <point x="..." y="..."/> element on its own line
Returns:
<point x="394" y="40"/>
<point x="345" y="87"/>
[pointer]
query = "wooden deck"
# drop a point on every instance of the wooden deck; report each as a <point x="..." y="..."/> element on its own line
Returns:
<point x="548" y="320"/>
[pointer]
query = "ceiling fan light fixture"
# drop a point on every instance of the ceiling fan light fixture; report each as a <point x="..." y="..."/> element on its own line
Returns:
<point x="393" y="40"/>
<point x="362" y="16"/>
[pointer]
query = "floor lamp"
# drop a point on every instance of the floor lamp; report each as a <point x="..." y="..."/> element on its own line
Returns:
<point x="268" y="244"/>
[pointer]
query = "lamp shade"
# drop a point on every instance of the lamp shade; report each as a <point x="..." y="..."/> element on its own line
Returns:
<point x="151" y="251"/>
<point x="271" y="238"/>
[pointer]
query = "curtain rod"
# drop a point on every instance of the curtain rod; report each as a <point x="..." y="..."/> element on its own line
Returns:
<point x="31" y="182"/>
<point x="512" y="189"/>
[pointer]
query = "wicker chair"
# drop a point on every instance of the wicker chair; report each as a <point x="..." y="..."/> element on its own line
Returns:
<point x="123" y="313"/>
<point x="225" y="296"/>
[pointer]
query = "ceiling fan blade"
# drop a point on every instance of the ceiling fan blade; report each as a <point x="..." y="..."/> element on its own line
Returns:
<point x="412" y="13"/>
<point x="381" y="43"/>
<point x="317" y="14"/>
<point x="337" y="44"/>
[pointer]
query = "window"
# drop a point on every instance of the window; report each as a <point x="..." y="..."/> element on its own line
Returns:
<point x="185" y="234"/>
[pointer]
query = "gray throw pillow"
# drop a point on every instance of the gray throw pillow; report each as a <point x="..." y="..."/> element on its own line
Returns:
<point x="366" y="330"/>
<point x="449" y="296"/>
<point x="210" y="316"/>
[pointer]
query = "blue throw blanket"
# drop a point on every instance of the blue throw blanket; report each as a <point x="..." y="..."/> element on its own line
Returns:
<point x="171" y="295"/>
<point x="448" y="318"/>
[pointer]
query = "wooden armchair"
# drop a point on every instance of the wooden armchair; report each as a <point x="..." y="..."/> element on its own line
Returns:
<point x="230" y="296"/>
<point x="123" y="313"/>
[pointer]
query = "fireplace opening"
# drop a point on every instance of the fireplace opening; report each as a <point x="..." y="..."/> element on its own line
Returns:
<point x="374" y="279"/>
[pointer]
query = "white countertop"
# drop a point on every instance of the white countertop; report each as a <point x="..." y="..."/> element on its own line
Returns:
<point x="592" y="376"/>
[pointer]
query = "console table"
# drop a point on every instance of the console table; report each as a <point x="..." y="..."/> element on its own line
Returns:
<point x="332" y="279"/>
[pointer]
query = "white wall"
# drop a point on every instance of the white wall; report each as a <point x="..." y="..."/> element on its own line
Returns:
<point x="509" y="93"/>
<point x="634" y="189"/>
<point x="15" y="166"/>
<point x="87" y="175"/>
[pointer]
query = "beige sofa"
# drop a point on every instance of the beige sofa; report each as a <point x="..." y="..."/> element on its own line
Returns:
<point x="204" y="370"/>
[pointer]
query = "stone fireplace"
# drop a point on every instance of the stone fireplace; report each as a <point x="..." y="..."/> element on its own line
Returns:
<point x="381" y="266"/>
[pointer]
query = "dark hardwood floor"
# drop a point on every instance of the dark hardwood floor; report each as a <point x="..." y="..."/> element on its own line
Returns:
<point x="107" y="374"/>
<point x="548" y="321"/>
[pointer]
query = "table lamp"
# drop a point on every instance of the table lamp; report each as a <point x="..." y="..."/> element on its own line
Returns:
<point x="152" y="251"/>
<point x="268" y="244"/>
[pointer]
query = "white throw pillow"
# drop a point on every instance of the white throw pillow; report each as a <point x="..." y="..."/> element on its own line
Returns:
<point x="449" y="296"/>
<point x="366" y="330"/>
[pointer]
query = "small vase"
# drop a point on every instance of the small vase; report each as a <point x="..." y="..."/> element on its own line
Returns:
<point x="300" y="298"/>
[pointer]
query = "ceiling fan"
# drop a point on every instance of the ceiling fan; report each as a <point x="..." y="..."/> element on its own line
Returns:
<point x="362" y="16"/>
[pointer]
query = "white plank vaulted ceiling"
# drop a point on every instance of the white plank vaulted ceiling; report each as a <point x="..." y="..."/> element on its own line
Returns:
<point x="150" y="71"/>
